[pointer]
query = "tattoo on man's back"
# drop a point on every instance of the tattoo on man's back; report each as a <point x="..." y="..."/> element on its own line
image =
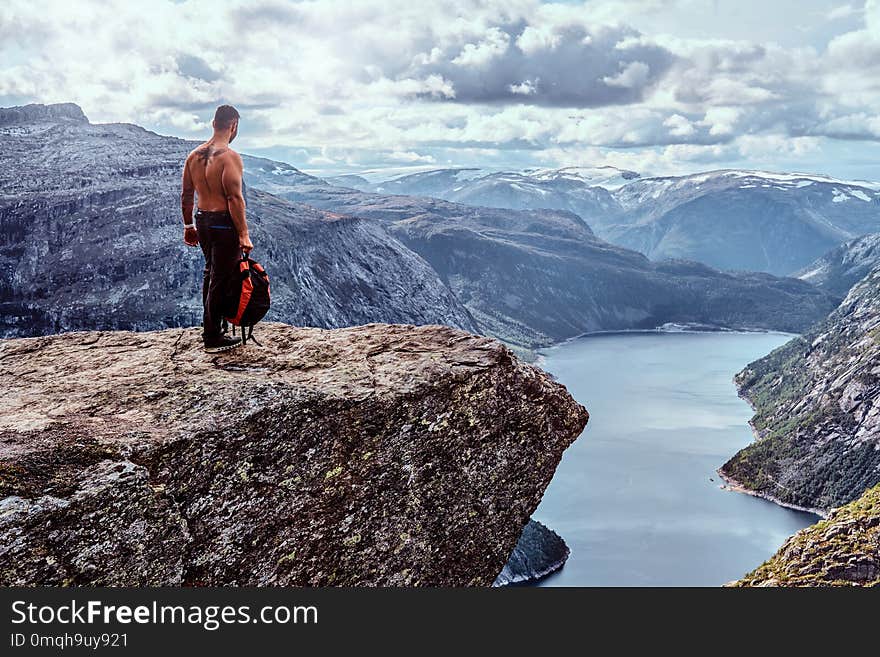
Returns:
<point x="207" y="152"/>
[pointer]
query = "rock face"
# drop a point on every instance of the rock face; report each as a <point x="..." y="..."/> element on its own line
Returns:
<point x="817" y="409"/>
<point x="36" y="113"/>
<point x="843" y="550"/>
<point x="539" y="552"/>
<point x="91" y="238"/>
<point x="841" y="268"/>
<point x="375" y="455"/>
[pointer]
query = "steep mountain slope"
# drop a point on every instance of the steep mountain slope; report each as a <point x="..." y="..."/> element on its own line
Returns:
<point x="735" y="219"/>
<point x="538" y="276"/>
<point x="844" y="266"/>
<point x="91" y="238"/>
<point x="843" y="550"/>
<point x="817" y="409"/>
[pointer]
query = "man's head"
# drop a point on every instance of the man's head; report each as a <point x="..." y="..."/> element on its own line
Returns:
<point x="226" y="121"/>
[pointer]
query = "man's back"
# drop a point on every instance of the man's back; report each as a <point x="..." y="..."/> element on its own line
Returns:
<point x="206" y="165"/>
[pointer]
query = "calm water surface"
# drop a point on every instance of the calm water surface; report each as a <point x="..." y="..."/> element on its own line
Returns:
<point x="636" y="497"/>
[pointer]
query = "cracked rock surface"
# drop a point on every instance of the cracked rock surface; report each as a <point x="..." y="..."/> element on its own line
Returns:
<point x="375" y="455"/>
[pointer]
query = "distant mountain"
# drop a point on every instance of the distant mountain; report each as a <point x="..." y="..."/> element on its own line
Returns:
<point x="353" y="181"/>
<point x="272" y="176"/>
<point x="537" y="276"/>
<point x="445" y="180"/>
<point x="844" y="266"/>
<point x="91" y="237"/>
<point x="817" y="409"/>
<point x="34" y="114"/>
<point x="609" y="177"/>
<point x="582" y="190"/>
<point x="734" y="219"/>
<point x="730" y="219"/>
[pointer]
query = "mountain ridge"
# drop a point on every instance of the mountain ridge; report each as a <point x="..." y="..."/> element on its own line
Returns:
<point x="740" y="219"/>
<point x="838" y="270"/>
<point x="528" y="277"/>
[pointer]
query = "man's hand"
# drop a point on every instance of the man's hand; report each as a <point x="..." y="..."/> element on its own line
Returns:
<point x="245" y="244"/>
<point x="191" y="237"/>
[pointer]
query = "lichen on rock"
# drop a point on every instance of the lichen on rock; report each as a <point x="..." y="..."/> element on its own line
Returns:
<point x="374" y="455"/>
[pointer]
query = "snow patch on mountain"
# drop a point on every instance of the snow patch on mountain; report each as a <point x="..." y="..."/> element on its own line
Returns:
<point x="388" y="174"/>
<point x="608" y="177"/>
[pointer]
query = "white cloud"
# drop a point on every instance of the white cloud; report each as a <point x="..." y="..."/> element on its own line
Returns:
<point x="634" y="74"/>
<point x="852" y="126"/>
<point x="842" y="11"/>
<point x="679" y="126"/>
<point x="481" y="54"/>
<point x="185" y="121"/>
<point x="534" y="39"/>
<point x="630" y="81"/>
<point x="721" y="120"/>
<point x="762" y="147"/>
<point x="526" y="87"/>
<point x="409" y="156"/>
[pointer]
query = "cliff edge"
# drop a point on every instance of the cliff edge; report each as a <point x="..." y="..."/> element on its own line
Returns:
<point x="376" y="455"/>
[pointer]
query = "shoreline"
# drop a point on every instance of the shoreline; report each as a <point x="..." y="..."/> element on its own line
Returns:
<point x="731" y="484"/>
<point x="664" y="329"/>
<point x="738" y="487"/>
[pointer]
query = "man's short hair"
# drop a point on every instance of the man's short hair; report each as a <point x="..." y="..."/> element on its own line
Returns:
<point x="224" y="116"/>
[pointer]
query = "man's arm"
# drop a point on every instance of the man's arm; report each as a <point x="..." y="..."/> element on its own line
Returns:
<point x="233" y="169"/>
<point x="186" y="196"/>
<point x="190" y="237"/>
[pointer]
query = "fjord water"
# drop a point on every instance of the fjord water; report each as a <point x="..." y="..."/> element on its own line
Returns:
<point x="636" y="497"/>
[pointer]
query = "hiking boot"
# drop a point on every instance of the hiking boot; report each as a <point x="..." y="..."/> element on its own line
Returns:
<point x="223" y="343"/>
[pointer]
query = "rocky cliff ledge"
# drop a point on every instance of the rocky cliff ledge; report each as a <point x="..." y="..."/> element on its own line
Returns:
<point x="376" y="455"/>
<point x="843" y="550"/>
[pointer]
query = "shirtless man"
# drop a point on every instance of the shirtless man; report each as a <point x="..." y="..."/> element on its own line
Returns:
<point x="213" y="171"/>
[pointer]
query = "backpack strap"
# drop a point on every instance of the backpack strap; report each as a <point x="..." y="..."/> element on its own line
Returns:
<point x="250" y="335"/>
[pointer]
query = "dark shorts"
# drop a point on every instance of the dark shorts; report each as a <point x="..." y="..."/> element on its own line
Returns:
<point x="219" y="241"/>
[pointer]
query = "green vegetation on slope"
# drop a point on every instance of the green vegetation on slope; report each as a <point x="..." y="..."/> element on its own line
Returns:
<point x="816" y="410"/>
<point x="841" y="551"/>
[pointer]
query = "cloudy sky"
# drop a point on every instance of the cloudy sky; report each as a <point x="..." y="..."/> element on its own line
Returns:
<point x="658" y="86"/>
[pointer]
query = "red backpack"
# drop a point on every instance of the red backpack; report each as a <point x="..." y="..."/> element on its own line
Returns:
<point x="249" y="302"/>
